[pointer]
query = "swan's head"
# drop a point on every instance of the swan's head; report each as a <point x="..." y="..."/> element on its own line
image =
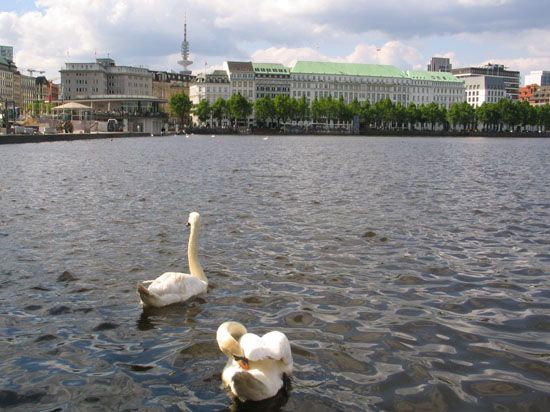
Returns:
<point x="194" y="219"/>
<point x="228" y="336"/>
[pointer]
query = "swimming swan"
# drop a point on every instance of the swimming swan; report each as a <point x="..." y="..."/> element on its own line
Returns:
<point x="173" y="287"/>
<point x="257" y="366"/>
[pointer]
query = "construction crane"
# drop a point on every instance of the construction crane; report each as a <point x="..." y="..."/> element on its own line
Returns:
<point x="31" y="71"/>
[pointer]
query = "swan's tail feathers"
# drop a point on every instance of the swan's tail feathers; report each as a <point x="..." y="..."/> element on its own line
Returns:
<point x="147" y="297"/>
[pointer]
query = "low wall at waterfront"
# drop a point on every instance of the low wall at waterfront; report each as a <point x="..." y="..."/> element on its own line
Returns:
<point x="39" y="138"/>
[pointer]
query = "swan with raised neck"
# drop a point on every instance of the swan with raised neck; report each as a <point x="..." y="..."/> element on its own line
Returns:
<point x="175" y="287"/>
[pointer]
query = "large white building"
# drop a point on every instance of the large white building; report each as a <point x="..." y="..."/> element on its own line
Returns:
<point x="210" y="86"/>
<point x="240" y="75"/>
<point x="484" y="89"/>
<point x="316" y="80"/>
<point x="511" y="77"/>
<point x="106" y="86"/>
<point x="441" y="88"/>
<point x="372" y="82"/>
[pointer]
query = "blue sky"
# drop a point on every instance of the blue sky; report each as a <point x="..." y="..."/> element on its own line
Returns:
<point x="407" y="33"/>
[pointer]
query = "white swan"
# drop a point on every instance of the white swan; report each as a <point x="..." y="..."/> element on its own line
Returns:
<point x="256" y="367"/>
<point x="173" y="287"/>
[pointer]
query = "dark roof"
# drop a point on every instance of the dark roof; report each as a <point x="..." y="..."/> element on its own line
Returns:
<point x="240" y="67"/>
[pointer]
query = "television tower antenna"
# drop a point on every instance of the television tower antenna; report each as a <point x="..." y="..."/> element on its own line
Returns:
<point x="185" y="62"/>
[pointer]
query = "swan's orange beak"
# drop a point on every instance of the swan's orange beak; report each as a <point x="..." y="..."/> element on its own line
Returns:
<point x="243" y="362"/>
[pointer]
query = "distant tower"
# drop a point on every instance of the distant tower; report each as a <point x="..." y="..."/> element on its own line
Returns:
<point x="440" y="64"/>
<point x="185" y="62"/>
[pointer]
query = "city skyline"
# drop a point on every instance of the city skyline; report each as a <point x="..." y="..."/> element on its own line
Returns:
<point x="46" y="34"/>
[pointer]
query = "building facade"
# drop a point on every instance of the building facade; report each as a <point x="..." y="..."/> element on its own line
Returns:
<point x="7" y="71"/>
<point x="511" y="77"/>
<point x="526" y="93"/>
<point x="210" y="86"/>
<point x="104" y="77"/>
<point x="440" y="64"/>
<point x="484" y="89"/>
<point x="107" y="87"/>
<point x="167" y="84"/>
<point x="541" y="96"/>
<point x="441" y="88"/>
<point x="241" y="78"/>
<point x="315" y="80"/>
<point x="6" y="52"/>
<point x="272" y="79"/>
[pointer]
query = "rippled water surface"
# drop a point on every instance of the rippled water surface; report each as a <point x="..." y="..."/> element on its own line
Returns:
<point x="410" y="274"/>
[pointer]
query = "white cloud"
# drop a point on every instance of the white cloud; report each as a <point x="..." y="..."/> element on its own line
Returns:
<point x="394" y="53"/>
<point x="149" y="32"/>
<point x="285" y="55"/>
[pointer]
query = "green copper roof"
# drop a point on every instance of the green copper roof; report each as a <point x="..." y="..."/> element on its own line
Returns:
<point x="433" y="76"/>
<point x="347" y="69"/>
<point x="270" y="68"/>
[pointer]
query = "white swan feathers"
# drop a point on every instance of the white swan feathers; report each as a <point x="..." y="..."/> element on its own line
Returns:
<point x="256" y="366"/>
<point x="174" y="287"/>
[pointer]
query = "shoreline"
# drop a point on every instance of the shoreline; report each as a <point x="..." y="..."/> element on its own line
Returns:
<point x="19" y="139"/>
<point x="42" y="138"/>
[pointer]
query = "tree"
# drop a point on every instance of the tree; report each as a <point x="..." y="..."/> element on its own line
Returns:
<point x="239" y="107"/>
<point x="384" y="112"/>
<point x="219" y="110"/>
<point x="509" y="113"/>
<point x="413" y="115"/>
<point x="283" y="107"/>
<point x="180" y="106"/>
<point x="463" y="114"/>
<point x="264" y="109"/>
<point x="366" y="113"/>
<point x="400" y="114"/>
<point x="343" y="110"/>
<point x="315" y="109"/>
<point x="489" y="115"/>
<point x="203" y="110"/>
<point x="431" y="112"/>
<point x="543" y="116"/>
<point x="302" y="108"/>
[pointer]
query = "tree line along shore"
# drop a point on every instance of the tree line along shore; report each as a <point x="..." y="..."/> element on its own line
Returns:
<point x="325" y="114"/>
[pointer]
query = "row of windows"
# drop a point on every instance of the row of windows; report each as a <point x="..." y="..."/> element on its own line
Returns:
<point x="273" y="89"/>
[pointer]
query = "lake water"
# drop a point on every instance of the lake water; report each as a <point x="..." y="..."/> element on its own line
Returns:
<point x="410" y="274"/>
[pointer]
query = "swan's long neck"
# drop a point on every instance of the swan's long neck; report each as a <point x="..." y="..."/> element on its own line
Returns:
<point x="192" y="256"/>
<point x="228" y="335"/>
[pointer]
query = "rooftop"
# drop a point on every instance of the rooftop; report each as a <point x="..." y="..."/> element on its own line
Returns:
<point x="239" y="66"/>
<point x="433" y="76"/>
<point x="347" y="69"/>
<point x="270" y="68"/>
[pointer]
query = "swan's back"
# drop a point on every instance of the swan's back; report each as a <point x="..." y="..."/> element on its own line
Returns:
<point x="173" y="287"/>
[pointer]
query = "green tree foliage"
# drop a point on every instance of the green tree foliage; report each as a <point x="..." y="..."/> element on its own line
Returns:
<point x="283" y="107"/>
<point x="385" y="114"/>
<point x="302" y="108"/>
<point x="203" y="110"/>
<point x="264" y="110"/>
<point x="239" y="107"/>
<point x="180" y="106"/>
<point x="220" y="110"/>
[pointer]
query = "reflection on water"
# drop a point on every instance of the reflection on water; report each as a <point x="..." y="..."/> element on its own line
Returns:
<point x="408" y="273"/>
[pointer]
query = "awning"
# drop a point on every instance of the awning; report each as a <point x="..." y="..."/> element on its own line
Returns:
<point x="72" y="106"/>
